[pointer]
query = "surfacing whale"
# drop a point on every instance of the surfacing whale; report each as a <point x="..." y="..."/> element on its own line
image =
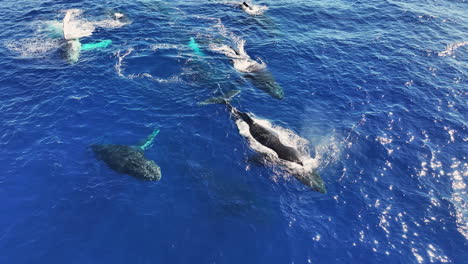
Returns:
<point x="270" y="140"/>
<point x="253" y="9"/>
<point x="129" y="159"/>
<point x="253" y="70"/>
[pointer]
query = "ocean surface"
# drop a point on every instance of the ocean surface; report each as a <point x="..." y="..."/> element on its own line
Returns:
<point x="375" y="91"/>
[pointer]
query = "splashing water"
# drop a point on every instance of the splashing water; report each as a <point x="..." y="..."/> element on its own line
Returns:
<point x="35" y="47"/>
<point x="241" y="60"/>
<point x="119" y="66"/>
<point x="75" y="27"/>
<point x="254" y="10"/>
<point x="49" y="34"/>
<point x="450" y="50"/>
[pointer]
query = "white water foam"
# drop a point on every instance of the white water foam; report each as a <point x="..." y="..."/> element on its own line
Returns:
<point x="119" y="64"/>
<point x="75" y="26"/>
<point x="241" y="60"/>
<point x="119" y="68"/>
<point x="35" y="47"/>
<point x="165" y="46"/>
<point x="450" y="49"/>
<point x="254" y="10"/>
<point x="49" y="34"/>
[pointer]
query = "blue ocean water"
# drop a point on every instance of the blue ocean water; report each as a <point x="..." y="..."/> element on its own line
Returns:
<point x="378" y="88"/>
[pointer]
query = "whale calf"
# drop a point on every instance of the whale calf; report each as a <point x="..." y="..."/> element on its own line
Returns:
<point x="129" y="160"/>
<point x="270" y="140"/>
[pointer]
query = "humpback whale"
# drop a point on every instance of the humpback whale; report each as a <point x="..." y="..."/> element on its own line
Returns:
<point x="129" y="159"/>
<point x="270" y="140"/>
<point x="73" y="31"/>
<point x="253" y="70"/>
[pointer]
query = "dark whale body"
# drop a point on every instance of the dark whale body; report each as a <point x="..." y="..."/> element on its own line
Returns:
<point x="128" y="160"/>
<point x="267" y="138"/>
<point x="264" y="80"/>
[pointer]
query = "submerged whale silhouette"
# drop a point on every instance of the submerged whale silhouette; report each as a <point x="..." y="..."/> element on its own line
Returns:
<point x="129" y="159"/>
<point x="269" y="139"/>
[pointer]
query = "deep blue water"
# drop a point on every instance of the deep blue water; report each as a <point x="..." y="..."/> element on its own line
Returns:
<point x="377" y="87"/>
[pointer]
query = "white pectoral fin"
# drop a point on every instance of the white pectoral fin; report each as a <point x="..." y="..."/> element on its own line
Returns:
<point x="66" y="25"/>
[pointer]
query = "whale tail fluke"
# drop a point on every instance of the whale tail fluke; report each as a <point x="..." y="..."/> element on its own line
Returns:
<point x="148" y="143"/>
<point x="223" y="99"/>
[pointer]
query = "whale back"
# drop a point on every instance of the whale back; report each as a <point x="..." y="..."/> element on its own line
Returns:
<point x="268" y="138"/>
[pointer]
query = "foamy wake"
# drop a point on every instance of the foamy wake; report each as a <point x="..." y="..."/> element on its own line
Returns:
<point x="254" y="10"/>
<point x="450" y="49"/>
<point x="120" y="68"/>
<point x="287" y="137"/>
<point x="119" y="65"/>
<point x="164" y="46"/>
<point x="241" y="60"/>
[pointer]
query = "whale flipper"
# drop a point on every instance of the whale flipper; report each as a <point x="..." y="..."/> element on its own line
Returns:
<point x="73" y="45"/>
<point x="96" y="45"/>
<point x="195" y="47"/>
<point x="149" y="140"/>
<point x="67" y="28"/>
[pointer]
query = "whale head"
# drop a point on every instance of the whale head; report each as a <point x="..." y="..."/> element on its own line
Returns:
<point x="313" y="181"/>
<point x="264" y="80"/>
